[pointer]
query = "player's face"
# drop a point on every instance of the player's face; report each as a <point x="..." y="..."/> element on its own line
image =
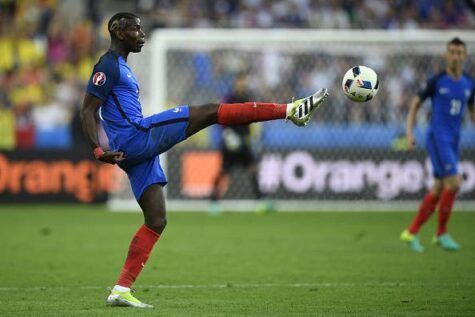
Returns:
<point x="134" y="36"/>
<point x="455" y="56"/>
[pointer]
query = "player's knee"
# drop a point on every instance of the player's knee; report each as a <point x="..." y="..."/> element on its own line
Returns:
<point x="202" y="117"/>
<point x="453" y="186"/>
<point x="437" y="189"/>
<point x="209" y="112"/>
<point x="210" y="108"/>
<point x="157" y="224"/>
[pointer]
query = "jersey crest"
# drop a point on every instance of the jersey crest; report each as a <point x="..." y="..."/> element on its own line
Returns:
<point x="99" y="79"/>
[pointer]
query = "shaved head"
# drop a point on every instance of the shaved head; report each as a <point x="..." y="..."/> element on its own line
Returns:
<point x="126" y="33"/>
<point x="119" y="21"/>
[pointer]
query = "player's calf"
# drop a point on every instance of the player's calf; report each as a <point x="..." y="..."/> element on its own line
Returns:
<point x="299" y="112"/>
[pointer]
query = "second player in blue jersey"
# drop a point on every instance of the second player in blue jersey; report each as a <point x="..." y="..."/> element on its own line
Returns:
<point x="450" y="92"/>
<point x="449" y="97"/>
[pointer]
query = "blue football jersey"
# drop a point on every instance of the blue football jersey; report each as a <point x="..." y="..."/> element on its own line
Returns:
<point x="449" y="98"/>
<point x="113" y="81"/>
<point x="141" y="139"/>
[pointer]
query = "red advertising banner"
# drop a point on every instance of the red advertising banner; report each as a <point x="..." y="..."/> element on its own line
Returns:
<point x="55" y="176"/>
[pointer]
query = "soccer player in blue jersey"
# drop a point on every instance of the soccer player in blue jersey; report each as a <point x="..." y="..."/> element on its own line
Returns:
<point x="450" y="92"/>
<point x="135" y="142"/>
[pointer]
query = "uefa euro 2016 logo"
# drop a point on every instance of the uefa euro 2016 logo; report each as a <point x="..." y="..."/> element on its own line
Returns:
<point x="99" y="79"/>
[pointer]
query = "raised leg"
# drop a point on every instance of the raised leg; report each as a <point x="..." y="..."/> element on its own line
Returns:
<point x="233" y="114"/>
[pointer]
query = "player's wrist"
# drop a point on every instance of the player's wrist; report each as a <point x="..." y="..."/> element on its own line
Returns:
<point x="98" y="152"/>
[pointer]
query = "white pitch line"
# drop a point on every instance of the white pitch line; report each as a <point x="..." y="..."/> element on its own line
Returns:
<point x="229" y="285"/>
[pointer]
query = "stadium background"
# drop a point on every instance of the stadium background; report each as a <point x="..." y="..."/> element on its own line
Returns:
<point x="60" y="247"/>
<point x="49" y="48"/>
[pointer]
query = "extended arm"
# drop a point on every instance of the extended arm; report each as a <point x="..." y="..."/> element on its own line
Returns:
<point x="89" y="127"/>
<point x="411" y="120"/>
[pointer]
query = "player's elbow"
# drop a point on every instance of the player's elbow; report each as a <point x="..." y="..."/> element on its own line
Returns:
<point x="416" y="103"/>
<point x="86" y="113"/>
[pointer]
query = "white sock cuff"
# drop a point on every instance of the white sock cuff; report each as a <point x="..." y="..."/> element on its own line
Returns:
<point x="119" y="288"/>
<point x="288" y="110"/>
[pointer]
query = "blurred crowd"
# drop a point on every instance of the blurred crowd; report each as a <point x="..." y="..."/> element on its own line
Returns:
<point x="45" y="60"/>
<point x="47" y="55"/>
<point x="361" y="14"/>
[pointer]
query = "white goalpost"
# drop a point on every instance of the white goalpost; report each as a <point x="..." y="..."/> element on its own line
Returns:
<point x="353" y="156"/>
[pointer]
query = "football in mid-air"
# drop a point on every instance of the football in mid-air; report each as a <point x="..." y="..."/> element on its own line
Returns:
<point x="360" y="83"/>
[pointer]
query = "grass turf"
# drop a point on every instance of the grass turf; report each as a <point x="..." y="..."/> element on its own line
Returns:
<point x="59" y="260"/>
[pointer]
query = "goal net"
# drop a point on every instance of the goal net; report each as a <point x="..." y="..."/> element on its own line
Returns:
<point x="350" y="157"/>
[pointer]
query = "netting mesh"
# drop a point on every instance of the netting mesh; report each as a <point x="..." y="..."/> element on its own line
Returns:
<point x="348" y="151"/>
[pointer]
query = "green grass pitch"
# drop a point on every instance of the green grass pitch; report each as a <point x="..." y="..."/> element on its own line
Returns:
<point x="59" y="261"/>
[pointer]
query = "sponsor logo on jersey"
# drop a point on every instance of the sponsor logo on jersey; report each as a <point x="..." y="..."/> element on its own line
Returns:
<point x="443" y="90"/>
<point x="467" y="93"/>
<point x="99" y="79"/>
